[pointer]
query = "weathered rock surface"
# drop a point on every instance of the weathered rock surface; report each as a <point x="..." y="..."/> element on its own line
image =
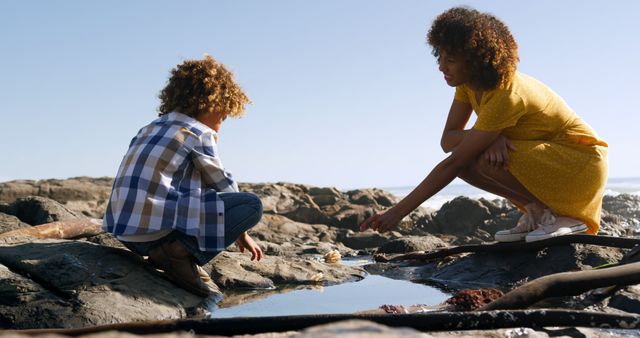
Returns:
<point x="411" y="244"/>
<point x="49" y="282"/>
<point x="10" y="222"/>
<point x="64" y="283"/>
<point x="501" y="270"/>
<point x="36" y="210"/>
<point x="86" y="195"/>
<point x="74" y="283"/>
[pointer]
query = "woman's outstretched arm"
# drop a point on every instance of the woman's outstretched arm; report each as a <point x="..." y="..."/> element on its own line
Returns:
<point x="470" y="147"/>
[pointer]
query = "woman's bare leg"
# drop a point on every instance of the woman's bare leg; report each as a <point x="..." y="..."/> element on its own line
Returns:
<point x="498" y="181"/>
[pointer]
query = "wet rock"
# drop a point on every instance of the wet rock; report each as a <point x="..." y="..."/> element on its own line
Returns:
<point x="627" y="300"/>
<point x="501" y="270"/>
<point x="235" y="270"/>
<point x="411" y="244"/>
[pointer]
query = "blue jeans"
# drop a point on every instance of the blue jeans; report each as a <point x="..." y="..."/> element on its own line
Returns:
<point x="242" y="212"/>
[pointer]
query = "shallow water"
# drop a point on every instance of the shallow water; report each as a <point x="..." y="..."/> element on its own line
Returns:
<point x="369" y="293"/>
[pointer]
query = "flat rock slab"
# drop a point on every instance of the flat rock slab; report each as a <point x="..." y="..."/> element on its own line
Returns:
<point x="66" y="283"/>
<point x="236" y="270"/>
<point x="499" y="270"/>
<point x="60" y="283"/>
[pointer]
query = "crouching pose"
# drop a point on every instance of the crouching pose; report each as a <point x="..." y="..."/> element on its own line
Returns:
<point x="172" y="199"/>
<point x="526" y="145"/>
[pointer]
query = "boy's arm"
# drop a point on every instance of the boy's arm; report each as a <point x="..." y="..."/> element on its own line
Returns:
<point x="206" y="160"/>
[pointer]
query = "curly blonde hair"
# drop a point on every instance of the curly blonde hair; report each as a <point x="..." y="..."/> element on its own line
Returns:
<point x="489" y="49"/>
<point x="198" y="87"/>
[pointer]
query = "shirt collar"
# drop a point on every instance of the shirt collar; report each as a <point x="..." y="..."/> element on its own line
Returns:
<point x="175" y="116"/>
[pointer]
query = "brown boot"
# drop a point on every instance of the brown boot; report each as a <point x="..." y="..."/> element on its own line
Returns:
<point x="179" y="267"/>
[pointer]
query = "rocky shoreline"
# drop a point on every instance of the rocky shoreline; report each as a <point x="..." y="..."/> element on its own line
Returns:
<point x="82" y="282"/>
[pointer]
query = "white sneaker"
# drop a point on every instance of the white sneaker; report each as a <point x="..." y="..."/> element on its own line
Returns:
<point x="553" y="226"/>
<point x="519" y="232"/>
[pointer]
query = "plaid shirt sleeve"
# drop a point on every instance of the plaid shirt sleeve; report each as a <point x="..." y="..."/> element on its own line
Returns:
<point x="207" y="162"/>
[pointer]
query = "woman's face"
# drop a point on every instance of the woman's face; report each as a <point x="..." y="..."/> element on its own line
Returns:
<point x="453" y="68"/>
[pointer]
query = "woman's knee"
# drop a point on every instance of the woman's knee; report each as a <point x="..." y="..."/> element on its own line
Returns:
<point x="471" y="172"/>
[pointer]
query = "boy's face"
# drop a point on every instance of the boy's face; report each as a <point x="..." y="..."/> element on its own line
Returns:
<point x="453" y="67"/>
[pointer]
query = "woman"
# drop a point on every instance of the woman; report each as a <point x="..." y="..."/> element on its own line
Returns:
<point x="526" y="145"/>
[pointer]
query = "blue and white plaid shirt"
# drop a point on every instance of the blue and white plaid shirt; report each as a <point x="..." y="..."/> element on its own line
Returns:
<point x="170" y="179"/>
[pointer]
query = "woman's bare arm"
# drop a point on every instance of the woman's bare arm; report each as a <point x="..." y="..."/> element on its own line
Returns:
<point x="457" y="119"/>
<point x="469" y="148"/>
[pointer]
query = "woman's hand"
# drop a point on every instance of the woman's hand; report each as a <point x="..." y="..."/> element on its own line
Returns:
<point x="497" y="154"/>
<point x="383" y="221"/>
<point x="246" y="242"/>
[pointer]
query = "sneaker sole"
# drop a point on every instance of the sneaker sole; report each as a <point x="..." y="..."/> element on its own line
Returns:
<point x="576" y="229"/>
<point x="505" y="238"/>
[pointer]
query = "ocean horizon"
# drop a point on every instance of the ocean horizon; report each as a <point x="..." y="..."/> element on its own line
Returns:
<point x="615" y="186"/>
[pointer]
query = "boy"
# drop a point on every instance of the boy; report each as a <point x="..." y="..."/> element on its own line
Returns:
<point x="172" y="200"/>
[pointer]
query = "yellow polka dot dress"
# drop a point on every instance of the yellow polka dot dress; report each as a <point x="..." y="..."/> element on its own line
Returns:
<point x="558" y="157"/>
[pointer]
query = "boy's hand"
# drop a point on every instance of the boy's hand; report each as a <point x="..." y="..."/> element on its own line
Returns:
<point x="246" y="242"/>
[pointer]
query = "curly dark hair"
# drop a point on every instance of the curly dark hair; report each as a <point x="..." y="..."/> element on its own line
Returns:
<point x="198" y="87"/>
<point x="489" y="49"/>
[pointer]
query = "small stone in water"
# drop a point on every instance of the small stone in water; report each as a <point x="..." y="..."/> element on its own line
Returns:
<point x="332" y="256"/>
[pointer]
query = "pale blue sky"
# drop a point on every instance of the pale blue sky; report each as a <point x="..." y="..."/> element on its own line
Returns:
<point x="346" y="93"/>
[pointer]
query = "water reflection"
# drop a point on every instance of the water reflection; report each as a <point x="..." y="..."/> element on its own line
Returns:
<point x="369" y="293"/>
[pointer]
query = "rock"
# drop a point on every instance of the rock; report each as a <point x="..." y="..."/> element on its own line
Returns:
<point x="615" y="225"/>
<point x="106" y="239"/>
<point x="79" y="284"/>
<point x="501" y="270"/>
<point x="501" y="221"/>
<point x="627" y="300"/>
<point x="10" y="222"/>
<point x="235" y="270"/>
<point x="37" y="210"/>
<point x="84" y="195"/>
<point x="359" y="329"/>
<point x="372" y="197"/>
<point x="313" y="205"/>
<point x="26" y="304"/>
<point x="626" y="206"/>
<point x="281" y="236"/>
<point x="366" y="239"/>
<point x="461" y="216"/>
<point x="412" y="244"/>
